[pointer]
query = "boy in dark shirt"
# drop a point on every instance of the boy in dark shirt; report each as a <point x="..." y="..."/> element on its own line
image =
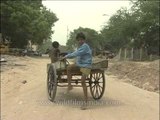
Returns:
<point x="54" y="52"/>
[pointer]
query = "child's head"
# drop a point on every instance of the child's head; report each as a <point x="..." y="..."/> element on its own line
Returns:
<point x="80" y="38"/>
<point x="55" y="44"/>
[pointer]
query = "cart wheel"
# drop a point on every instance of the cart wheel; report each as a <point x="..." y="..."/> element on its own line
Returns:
<point x="51" y="83"/>
<point x="97" y="85"/>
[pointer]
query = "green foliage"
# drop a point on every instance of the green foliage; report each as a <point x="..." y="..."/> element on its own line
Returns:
<point x="46" y="45"/>
<point x="137" y="27"/>
<point x="22" y="21"/>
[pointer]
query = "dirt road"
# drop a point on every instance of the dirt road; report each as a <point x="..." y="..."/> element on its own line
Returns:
<point x="23" y="97"/>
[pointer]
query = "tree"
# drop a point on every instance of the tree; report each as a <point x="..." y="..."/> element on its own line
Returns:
<point x="22" y="21"/>
<point x="46" y="45"/>
<point x="148" y="12"/>
<point x="92" y="38"/>
<point x="118" y="31"/>
<point x="136" y="27"/>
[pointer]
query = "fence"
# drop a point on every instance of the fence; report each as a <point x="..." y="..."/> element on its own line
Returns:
<point x="134" y="54"/>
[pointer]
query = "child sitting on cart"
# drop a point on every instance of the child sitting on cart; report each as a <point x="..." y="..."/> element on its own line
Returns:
<point x="83" y="64"/>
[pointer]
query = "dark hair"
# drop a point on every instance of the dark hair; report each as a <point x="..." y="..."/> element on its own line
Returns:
<point x="80" y="35"/>
<point x="55" y="44"/>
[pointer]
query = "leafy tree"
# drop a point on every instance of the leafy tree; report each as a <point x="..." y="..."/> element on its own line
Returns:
<point x="118" y="30"/>
<point x="92" y="38"/>
<point x="22" y="21"/>
<point x="44" y="46"/>
<point x="137" y="27"/>
<point x="148" y="35"/>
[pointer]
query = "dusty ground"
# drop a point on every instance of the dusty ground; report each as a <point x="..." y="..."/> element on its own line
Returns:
<point x="23" y="96"/>
<point x="144" y="75"/>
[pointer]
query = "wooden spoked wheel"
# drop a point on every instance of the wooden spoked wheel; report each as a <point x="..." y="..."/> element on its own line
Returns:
<point x="97" y="85"/>
<point x="51" y="83"/>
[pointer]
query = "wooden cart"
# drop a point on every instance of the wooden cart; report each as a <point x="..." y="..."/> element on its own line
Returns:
<point x="57" y="76"/>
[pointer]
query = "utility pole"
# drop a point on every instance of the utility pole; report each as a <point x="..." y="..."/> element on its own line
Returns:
<point x="67" y="33"/>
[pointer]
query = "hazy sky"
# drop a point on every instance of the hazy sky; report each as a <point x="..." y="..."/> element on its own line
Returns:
<point x="75" y="14"/>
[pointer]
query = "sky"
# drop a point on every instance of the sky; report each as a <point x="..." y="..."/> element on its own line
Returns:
<point x="86" y="14"/>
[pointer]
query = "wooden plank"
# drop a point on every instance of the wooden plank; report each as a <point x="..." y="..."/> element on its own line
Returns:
<point x="98" y="64"/>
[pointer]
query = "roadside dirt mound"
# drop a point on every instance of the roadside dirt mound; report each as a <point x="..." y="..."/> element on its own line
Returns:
<point x="144" y="75"/>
